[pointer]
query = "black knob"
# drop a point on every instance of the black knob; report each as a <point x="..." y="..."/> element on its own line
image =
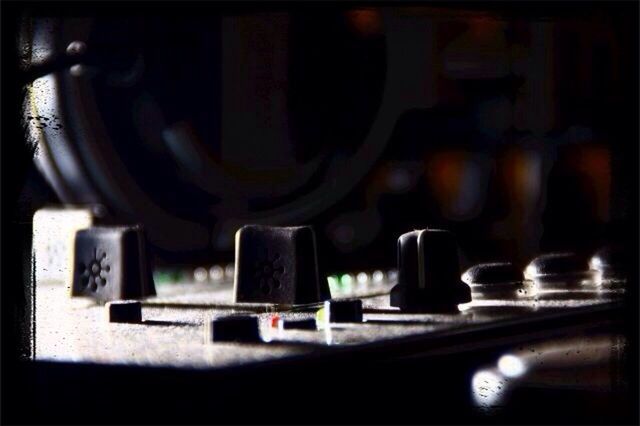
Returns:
<point x="110" y="263"/>
<point x="428" y="273"/>
<point x="278" y="265"/>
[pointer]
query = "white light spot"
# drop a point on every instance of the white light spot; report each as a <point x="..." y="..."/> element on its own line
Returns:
<point x="200" y="274"/>
<point x="217" y="273"/>
<point x="530" y="272"/>
<point x="487" y="388"/>
<point x="596" y="264"/>
<point x="511" y="366"/>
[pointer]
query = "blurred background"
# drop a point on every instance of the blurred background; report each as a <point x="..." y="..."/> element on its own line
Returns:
<point x="513" y="125"/>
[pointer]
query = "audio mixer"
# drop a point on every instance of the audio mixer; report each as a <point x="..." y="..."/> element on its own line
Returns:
<point x="272" y="307"/>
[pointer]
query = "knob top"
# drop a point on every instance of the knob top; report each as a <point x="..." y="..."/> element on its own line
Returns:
<point x="497" y="280"/>
<point x="555" y="264"/>
<point x="495" y="273"/>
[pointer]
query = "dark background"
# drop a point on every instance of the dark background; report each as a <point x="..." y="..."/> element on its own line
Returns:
<point x="511" y="126"/>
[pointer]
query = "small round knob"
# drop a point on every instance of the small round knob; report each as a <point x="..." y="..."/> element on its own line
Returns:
<point x="562" y="270"/>
<point x="497" y="280"/>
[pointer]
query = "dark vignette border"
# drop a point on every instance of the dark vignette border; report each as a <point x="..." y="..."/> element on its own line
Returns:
<point x="16" y="160"/>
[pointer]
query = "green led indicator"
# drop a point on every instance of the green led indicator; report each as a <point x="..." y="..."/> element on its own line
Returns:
<point x="346" y="280"/>
<point x="334" y="283"/>
<point x="168" y="276"/>
<point x="162" y="277"/>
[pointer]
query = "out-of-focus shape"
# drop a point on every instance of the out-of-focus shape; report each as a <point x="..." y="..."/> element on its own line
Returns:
<point x="54" y="231"/>
<point x="365" y="22"/>
<point x="478" y="53"/>
<point x="458" y="181"/>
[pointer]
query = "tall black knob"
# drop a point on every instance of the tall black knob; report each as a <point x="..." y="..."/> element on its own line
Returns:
<point x="278" y="265"/>
<point x="428" y="273"/>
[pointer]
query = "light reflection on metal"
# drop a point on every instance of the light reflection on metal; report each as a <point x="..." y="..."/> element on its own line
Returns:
<point x="465" y="306"/>
<point x="488" y="388"/>
<point x="511" y="366"/>
<point x="544" y="279"/>
<point x="609" y="261"/>
<point x="586" y="362"/>
<point x="328" y="335"/>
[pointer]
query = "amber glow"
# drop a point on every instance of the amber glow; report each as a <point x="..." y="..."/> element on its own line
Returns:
<point x="446" y="171"/>
<point x="484" y="27"/>
<point x="366" y="22"/>
<point x="518" y="175"/>
<point x="594" y="164"/>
